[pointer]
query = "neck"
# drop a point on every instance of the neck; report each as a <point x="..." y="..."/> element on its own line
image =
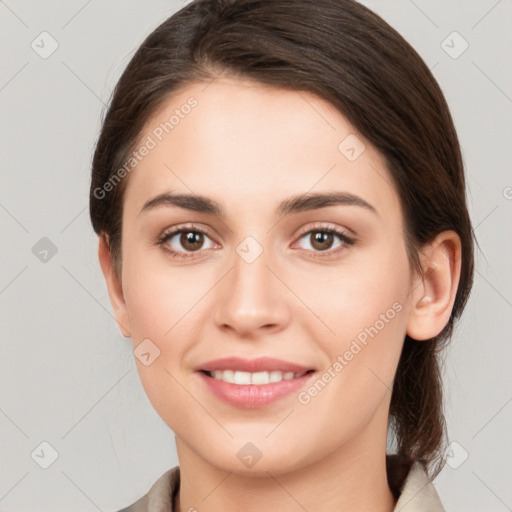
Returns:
<point x="351" y="478"/>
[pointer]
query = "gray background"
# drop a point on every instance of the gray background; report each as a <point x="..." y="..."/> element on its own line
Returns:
<point x="68" y="377"/>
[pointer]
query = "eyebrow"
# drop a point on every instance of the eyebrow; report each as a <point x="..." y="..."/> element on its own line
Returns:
<point x="295" y="204"/>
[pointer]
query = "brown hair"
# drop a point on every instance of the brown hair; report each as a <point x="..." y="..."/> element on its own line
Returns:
<point x="346" y="54"/>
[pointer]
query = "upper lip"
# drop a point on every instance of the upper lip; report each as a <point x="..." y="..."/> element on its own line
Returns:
<point x="260" y="364"/>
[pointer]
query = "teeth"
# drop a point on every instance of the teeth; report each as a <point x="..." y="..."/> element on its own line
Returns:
<point x="245" y="378"/>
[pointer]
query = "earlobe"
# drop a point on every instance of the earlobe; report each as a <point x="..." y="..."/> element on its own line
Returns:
<point x="433" y="293"/>
<point x="114" y="287"/>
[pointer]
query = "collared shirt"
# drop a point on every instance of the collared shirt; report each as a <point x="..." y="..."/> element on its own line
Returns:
<point x="417" y="494"/>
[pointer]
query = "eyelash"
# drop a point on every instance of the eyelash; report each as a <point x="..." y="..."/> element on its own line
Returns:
<point x="347" y="241"/>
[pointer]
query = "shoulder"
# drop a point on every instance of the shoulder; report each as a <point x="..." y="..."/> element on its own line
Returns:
<point x="159" y="498"/>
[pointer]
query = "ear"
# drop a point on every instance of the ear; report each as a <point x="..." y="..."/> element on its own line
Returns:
<point x="114" y="287"/>
<point x="433" y="294"/>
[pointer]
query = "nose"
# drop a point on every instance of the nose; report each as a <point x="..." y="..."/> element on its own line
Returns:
<point x="251" y="300"/>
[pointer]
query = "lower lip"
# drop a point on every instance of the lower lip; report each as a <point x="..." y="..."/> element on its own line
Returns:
<point x="253" y="395"/>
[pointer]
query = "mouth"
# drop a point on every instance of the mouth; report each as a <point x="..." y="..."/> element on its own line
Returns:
<point x="246" y="383"/>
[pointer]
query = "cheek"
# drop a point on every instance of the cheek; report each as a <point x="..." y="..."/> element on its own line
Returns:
<point x="159" y="299"/>
<point x="358" y="380"/>
<point x="354" y="296"/>
<point x="164" y="306"/>
<point x="366" y="311"/>
<point x="160" y="309"/>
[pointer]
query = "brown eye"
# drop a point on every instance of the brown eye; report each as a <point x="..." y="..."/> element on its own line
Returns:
<point x="185" y="242"/>
<point x="321" y="240"/>
<point x="326" y="240"/>
<point x="191" y="240"/>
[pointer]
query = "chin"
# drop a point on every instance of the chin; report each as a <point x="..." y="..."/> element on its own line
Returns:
<point x="248" y="461"/>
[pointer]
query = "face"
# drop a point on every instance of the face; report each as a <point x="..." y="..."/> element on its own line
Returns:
<point x="268" y="272"/>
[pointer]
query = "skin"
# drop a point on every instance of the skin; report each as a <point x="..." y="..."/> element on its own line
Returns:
<point x="248" y="147"/>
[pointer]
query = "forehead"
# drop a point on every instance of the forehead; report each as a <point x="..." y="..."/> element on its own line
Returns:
<point x="244" y="143"/>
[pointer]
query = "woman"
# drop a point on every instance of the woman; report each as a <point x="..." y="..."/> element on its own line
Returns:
<point x="279" y="196"/>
